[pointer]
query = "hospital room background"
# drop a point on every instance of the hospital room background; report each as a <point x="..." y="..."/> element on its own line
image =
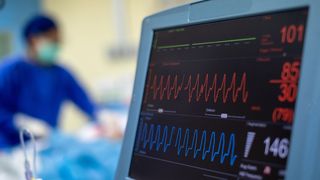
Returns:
<point x="99" y="46"/>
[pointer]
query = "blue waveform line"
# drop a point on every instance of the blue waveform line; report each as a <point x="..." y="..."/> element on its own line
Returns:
<point x="160" y="139"/>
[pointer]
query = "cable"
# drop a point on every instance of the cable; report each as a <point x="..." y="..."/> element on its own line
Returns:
<point x="29" y="174"/>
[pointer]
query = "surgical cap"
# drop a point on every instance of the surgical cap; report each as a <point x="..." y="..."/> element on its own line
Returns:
<point x="38" y="25"/>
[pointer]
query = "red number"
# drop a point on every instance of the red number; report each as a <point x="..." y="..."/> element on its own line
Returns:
<point x="289" y="92"/>
<point x="289" y="76"/>
<point x="283" y="114"/>
<point x="289" y="34"/>
<point x="284" y="34"/>
<point x="295" y="71"/>
<point x="286" y="71"/>
<point x="300" y="33"/>
<point x="283" y="97"/>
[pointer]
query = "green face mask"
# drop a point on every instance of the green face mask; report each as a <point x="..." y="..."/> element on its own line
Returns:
<point x="47" y="52"/>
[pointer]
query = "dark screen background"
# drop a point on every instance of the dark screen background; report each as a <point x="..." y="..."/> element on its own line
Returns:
<point x="219" y="99"/>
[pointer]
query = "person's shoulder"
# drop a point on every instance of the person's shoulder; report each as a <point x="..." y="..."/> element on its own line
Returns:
<point x="60" y="68"/>
<point x="63" y="70"/>
<point x="11" y="63"/>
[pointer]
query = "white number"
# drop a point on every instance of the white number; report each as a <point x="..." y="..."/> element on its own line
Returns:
<point x="274" y="147"/>
<point x="284" y="148"/>
<point x="266" y="149"/>
<point x="279" y="147"/>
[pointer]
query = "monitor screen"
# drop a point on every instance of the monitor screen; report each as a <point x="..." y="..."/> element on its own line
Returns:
<point x="219" y="99"/>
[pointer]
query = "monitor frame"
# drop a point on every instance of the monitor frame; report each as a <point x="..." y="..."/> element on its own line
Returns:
<point x="302" y="160"/>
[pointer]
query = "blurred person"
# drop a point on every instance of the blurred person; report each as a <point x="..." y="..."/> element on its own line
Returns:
<point x="34" y="84"/>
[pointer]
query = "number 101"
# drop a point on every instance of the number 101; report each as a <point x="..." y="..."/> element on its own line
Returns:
<point x="292" y="33"/>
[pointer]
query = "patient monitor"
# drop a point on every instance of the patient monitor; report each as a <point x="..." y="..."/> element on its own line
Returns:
<point x="226" y="89"/>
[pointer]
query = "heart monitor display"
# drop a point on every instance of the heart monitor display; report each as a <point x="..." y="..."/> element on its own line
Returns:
<point x="219" y="99"/>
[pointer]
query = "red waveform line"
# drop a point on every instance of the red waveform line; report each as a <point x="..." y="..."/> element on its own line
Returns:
<point x="169" y="87"/>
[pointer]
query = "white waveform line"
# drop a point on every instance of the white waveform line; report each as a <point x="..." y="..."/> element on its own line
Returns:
<point x="249" y="142"/>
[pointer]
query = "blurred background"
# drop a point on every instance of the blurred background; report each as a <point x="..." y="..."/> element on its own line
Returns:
<point x="100" y="44"/>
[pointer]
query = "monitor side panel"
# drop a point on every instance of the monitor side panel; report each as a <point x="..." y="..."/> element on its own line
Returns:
<point x="304" y="151"/>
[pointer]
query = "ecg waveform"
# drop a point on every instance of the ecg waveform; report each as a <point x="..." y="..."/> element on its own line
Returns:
<point x="186" y="143"/>
<point x="207" y="87"/>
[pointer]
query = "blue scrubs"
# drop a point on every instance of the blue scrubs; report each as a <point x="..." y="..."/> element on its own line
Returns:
<point x="36" y="91"/>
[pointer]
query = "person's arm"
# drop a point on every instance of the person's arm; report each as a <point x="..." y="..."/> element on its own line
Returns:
<point x="9" y="135"/>
<point x="77" y="95"/>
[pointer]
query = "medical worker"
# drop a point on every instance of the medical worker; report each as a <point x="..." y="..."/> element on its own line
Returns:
<point x="34" y="84"/>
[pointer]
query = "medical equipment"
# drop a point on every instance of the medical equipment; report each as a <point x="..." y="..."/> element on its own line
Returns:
<point x="226" y="90"/>
<point x="30" y="173"/>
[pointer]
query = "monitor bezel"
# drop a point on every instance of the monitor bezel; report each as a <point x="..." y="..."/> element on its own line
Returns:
<point x="301" y="163"/>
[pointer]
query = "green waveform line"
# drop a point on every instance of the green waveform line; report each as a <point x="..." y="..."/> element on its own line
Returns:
<point x="173" y="46"/>
<point x="225" y="41"/>
<point x="207" y="43"/>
